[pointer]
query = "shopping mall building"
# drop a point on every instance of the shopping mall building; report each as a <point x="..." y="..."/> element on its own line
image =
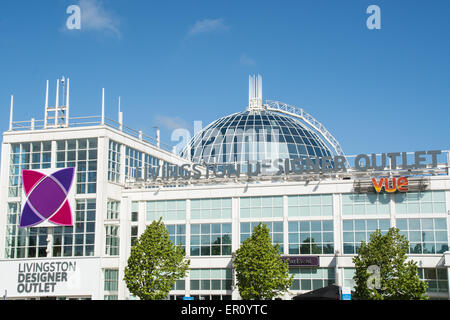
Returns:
<point x="67" y="234"/>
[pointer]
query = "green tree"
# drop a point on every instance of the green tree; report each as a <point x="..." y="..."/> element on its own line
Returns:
<point x="155" y="263"/>
<point x="382" y="271"/>
<point x="260" y="271"/>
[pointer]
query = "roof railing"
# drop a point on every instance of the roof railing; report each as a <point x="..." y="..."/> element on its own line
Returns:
<point x="89" y="121"/>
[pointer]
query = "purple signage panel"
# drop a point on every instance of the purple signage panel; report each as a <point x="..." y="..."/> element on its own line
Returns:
<point x="302" y="261"/>
<point x="47" y="197"/>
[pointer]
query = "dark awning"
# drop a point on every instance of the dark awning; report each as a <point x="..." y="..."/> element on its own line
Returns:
<point x="330" y="292"/>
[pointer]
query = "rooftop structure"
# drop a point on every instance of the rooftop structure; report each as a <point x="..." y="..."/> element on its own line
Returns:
<point x="319" y="217"/>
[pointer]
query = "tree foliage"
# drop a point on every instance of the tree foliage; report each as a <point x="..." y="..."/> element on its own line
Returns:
<point x="155" y="263"/>
<point x="383" y="272"/>
<point x="260" y="272"/>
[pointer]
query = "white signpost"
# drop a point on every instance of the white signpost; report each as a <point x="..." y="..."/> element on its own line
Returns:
<point x="50" y="277"/>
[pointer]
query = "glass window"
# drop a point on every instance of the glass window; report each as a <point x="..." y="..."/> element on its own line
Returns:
<point x="167" y="209"/>
<point x="177" y="234"/>
<point x="219" y="208"/>
<point x="133" y="163"/>
<point x="134" y="234"/>
<point x="114" y="161"/>
<point x="31" y="155"/>
<point x="82" y="154"/>
<point x="112" y="240"/>
<point x="111" y="279"/>
<point x="349" y="273"/>
<point x="211" y="279"/>
<point x="420" y="202"/>
<point x="210" y="239"/>
<point x="310" y="205"/>
<point x="113" y="210"/>
<point x="275" y="231"/>
<point x="311" y="237"/>
<point x="67" y="241"/>
<point x="356" y="231"/>
<point x="311" y="278"/>
<point x="365" y="204"/>
<point x="261" y="207"/>
<point x="435" y="278"/>
<point x="426" y="235"/>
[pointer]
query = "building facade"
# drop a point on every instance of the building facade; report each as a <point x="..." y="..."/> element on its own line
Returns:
<point x="314" y="217"/>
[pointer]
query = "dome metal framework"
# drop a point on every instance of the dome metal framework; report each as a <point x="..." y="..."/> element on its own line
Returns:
<point x="254" y="136"/>
<point x="269" y="131"/>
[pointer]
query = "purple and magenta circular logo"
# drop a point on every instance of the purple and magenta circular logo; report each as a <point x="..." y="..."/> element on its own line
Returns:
<point x="47" y="197"/>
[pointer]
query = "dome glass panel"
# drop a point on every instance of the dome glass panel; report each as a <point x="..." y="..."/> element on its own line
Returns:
<point x="254" y="136"/>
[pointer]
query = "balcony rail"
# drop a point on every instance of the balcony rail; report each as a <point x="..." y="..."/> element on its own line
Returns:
<point x="88" y="121"/>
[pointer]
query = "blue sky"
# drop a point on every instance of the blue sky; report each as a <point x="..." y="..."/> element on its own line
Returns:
<point x="174" y="62"/>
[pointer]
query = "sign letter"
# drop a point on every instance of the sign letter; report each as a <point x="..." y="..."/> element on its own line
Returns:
<point x="374" y="21"/>
<point x="377" y="185"/>
<point x="74" y="21"/>
<point x="374" y="280"/>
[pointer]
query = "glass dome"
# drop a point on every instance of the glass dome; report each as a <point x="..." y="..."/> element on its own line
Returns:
<point x="254" y="136"/>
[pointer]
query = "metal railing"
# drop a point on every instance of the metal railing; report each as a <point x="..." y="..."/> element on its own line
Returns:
<point x="301" y="114"/>
<point x="89" y="121"/>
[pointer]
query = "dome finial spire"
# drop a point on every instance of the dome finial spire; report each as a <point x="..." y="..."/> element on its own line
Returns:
<point x="255" y="93"/>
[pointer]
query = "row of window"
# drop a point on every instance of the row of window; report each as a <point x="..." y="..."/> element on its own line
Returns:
<point x="437" y="279"/>
<point x="31" y="155"/>
<point x="304" y="279"/>
<point x="82" y="154"/>
<point x="426" y="235"/>
<point x="79" y="153"/>
<point x="76" y="240"/>
<point x="137" y="164"/>
<point x="200" y="279"/>
<point x="430" y="202"/>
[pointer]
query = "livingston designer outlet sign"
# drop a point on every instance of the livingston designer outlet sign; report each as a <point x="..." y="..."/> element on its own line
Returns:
<point x="55" y="277"/>
<point x="299" y="166"/>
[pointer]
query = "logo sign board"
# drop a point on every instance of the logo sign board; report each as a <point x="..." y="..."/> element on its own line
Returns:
<point x="390" y="184"/>
<point x="302" y="261"/>
<point x="47" y="197"/>
<point x="298" y="166"/>
<point x="44" y="277"/>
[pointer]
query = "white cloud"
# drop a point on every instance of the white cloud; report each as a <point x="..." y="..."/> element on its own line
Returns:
<point x="245" y="60"/>
<point x="207" y="26"/>
<point x="95" y="17"/>
<point x="171" y="123"/>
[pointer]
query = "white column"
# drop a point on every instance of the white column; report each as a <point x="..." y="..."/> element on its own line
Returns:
<point x="447" y="254"/>
<point x="187" y="283"/>
<point x="122" y="164"/>
<point x="235" y="227"/>
<point x="124" y="243"/>
<point x="392" y="210"/>
<point x="338" y="245"/>
<point x="4" y="177"/>
<point x="102" y="197"/>
<point x="235" y="231"/>
<point x="285" y="225"/>
<point x="53" y="155"/>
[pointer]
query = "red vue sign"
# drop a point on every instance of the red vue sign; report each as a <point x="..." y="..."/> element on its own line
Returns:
<point x="391" y="184"/>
